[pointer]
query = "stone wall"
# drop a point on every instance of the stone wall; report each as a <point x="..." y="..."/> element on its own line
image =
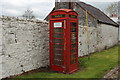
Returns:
<point x="101" y="37"/>
<point x="83" y="40"/>
<point x="0" y="49"/>
<point x="24" y="45"/>
<point x="108" y="36"/>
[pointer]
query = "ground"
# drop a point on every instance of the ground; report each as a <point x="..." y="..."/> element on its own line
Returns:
<point x="95" y="66"/>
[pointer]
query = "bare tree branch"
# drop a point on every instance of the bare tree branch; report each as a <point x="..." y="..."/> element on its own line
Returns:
<point x="112" y="9"/>
<point x="28" y="14"/>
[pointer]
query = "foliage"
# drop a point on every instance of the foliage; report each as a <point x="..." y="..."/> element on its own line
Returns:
<point x="112" y="9"/>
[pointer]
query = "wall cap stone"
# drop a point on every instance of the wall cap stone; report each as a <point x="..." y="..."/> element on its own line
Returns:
<point x="22" y="19"/>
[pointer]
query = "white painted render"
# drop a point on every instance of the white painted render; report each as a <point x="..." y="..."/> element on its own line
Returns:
<point x="101" y="37"/>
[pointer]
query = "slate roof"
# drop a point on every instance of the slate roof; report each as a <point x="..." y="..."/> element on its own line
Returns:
<point x="96" y="13"/>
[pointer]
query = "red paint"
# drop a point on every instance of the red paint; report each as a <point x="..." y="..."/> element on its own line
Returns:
<point x="60" y="55"/>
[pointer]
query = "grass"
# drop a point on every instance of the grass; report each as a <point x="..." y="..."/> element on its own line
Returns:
<point x="95" y="67"/>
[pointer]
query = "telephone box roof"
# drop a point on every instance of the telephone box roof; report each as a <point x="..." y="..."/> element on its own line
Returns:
<point x="65" y="10"/>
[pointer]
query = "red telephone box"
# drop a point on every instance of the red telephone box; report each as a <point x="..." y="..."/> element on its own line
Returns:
<point x="64" y="40"/>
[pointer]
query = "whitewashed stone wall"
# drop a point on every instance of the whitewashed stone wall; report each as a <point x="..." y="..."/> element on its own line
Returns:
<point x="101" y="37"/>
<point x="109" y="36"/>
<point x="83" y="45"/>
<point x="24" y="45"/>
<point x="0" y="49"/>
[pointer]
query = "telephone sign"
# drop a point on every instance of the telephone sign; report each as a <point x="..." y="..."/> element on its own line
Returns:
<point x="58" y="16"/>
<point x="58" y="24"/>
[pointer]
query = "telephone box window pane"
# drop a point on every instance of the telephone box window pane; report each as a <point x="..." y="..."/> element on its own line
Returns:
<point x="58" y="62"/>
<point x="73" y="58"/>
<point x="58" y="57"/>
<point x="58" y="35"/>
<point x="73" y="29"/>
<point x="58" y="53"/>
<point x="55" y="51"/>
<point x="73" y="25"/>
<point x="58" y="40"/>
<point x="73" y="45"/>
<point x="58" y="29"/>
<point x="58" y="46"/>
<point x="73" y="61"/>
<point x="73" y="36"/>
<point x="73" y="40"/>
<point x="57" y="24"/>
<point x="73" y="51"/>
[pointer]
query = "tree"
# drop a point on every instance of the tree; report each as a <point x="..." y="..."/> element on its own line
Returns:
<point x="119" y="11"/>
<point x="112" y="9"/>
<point x="28" y="14"/>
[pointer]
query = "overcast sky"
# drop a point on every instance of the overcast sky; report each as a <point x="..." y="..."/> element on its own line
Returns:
<point x="41" y="8"/>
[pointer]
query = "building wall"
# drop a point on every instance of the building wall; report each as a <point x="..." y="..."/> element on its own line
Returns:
<point x="109" y="36"/>
<point x="101" y="37"/>
<point x="96" y="34"/>
<point x="83" y="40"/>
<point x="84" y="47"/>
<point x="24" y="45"/>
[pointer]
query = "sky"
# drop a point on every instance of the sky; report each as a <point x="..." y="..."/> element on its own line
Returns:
<point x="40" y="8"/>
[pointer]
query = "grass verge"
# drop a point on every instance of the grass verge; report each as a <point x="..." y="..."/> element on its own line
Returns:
<point x="95" y="67"/>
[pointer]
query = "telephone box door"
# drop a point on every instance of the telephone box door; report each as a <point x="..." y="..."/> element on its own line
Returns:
<point x="57" y="45"/>
<point x="73" y="45"/>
